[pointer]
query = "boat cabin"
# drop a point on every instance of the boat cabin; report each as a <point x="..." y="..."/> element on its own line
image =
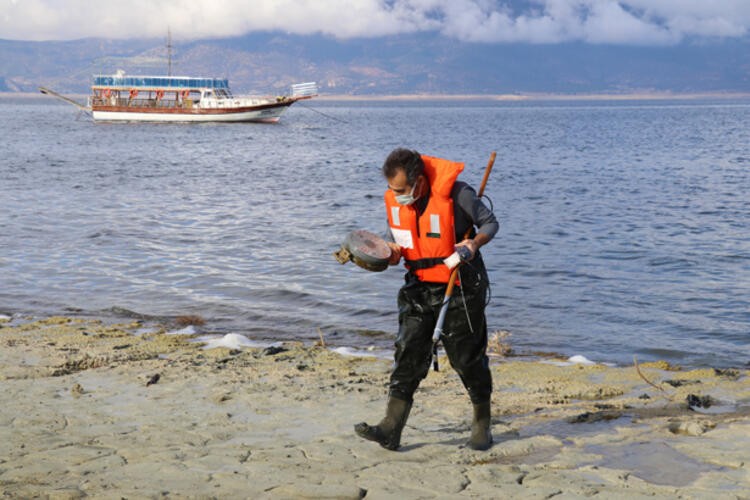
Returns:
<point x="156" y="91"/>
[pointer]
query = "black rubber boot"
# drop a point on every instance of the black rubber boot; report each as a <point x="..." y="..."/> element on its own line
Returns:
<point x="481" y="437"/>
<point x="388" y="432"/>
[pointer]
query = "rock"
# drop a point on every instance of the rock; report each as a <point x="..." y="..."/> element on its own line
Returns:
<point x="221" y="397"/>
<point x="730" y="373"/>
<point x="590" y="417"/>
<point x="273" y="350"/>
<point x="695" y="401"/>
<point x="680" y="383"/>
<point x="692" y="428"/>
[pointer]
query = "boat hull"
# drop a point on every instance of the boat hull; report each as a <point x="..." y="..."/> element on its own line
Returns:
<point x="266" y="114"/>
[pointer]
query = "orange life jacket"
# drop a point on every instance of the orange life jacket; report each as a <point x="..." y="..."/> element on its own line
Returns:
<point x="427" y="239"/>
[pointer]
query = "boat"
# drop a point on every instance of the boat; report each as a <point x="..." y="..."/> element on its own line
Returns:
<point x="117" y="98"/>
<point x="184" y="99"/>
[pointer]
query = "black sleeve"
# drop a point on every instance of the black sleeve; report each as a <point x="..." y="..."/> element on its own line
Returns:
<point x="474" y="210"/>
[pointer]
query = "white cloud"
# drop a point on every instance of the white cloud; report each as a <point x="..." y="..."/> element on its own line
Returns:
<point x="728" y="18"/>
<point x="609" y="22"/>
<point x="491" y="21"/>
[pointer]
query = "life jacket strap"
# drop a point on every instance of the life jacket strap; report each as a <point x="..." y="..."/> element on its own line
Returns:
<point x="416" y="265"/>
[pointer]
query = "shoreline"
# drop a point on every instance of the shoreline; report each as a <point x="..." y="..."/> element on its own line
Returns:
<point x="541" y="97"/>
<point x="515" y="97"/>
<point x="195" y="328"/>
<point x="92" y="409"/>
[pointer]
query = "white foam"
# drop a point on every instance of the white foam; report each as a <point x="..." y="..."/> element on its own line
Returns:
<point x="359" y="353"/>
<point x="188" y="330"/>
<point x="349" y="351"/>
<point x="578" y="359"/>
<point x="146" y="330"/>
<point x="234" y="341"/>
<point x="230" y="341"/>
<point x="5" y="317"/>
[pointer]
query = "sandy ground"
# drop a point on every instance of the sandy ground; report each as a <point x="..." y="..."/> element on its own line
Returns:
<point x="96" y="410"/>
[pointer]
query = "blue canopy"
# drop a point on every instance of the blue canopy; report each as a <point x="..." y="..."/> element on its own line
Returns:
<point x="160" y="82"/>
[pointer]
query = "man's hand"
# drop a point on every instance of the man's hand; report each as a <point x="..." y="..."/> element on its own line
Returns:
<point x="471" y="245"/>
<point x="395" y="254"/>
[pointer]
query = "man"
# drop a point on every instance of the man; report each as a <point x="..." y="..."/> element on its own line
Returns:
<point x="429" y="212"/>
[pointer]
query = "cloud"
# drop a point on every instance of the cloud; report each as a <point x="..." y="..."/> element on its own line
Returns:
<point x="631" y="22"/>
<point x="641" y="22"/>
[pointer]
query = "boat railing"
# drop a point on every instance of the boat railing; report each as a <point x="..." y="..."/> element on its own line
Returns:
<point x="307" y="89"/>
<point x="141" y="103"/>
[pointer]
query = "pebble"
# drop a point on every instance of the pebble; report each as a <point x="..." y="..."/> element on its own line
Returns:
<point x="691" y="428"/>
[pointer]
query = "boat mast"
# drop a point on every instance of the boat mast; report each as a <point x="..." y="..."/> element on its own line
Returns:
<point x="169" y="51"/>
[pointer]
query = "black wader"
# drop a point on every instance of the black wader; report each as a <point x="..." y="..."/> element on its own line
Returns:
<point x="464" y="334"/>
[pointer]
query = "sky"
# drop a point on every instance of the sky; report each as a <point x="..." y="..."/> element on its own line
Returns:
<point x="624" y="22"/>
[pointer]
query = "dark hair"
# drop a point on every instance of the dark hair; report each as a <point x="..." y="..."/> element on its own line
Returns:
<point x="407" y="160"/>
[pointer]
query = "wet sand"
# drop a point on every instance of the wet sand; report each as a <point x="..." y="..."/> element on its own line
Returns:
<point x="106" y="411"/>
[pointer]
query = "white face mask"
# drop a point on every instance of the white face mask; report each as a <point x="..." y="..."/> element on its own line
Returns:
<point x="407" y="199"/>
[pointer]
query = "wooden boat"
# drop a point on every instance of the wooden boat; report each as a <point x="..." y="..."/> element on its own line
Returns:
<point x="184" y="99"/>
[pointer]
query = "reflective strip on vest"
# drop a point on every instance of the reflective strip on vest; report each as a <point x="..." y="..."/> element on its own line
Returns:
<point x="434" y="226"/>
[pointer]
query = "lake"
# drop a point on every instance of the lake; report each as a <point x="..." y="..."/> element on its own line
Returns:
<point x="625" y="225"/>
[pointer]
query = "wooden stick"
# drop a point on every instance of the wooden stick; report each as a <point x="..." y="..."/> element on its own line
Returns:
<point x="638" y="370"/>
<point x="487" y="171"/>
<point x="454" y="274"/>
<point x="322" y="340"/>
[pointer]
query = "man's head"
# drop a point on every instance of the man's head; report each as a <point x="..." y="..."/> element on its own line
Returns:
<point x="404" y="171"/>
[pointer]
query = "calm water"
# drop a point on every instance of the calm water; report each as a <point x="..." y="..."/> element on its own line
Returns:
<point x="625" y="227"/>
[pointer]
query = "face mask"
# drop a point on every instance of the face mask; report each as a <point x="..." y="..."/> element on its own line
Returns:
<point x="407" y="199"/>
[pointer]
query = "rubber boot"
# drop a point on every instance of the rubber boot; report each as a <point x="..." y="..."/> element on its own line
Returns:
<point x="388" y="432"/>
<point x="481" y="437"/>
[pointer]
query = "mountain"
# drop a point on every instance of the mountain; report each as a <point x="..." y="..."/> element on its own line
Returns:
<point x="423" y="63"/>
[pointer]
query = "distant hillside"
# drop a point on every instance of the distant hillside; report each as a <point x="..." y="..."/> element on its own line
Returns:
<point x="423" y="63"/>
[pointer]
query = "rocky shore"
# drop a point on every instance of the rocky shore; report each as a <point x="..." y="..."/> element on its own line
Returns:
<point x="91" y="409"/>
